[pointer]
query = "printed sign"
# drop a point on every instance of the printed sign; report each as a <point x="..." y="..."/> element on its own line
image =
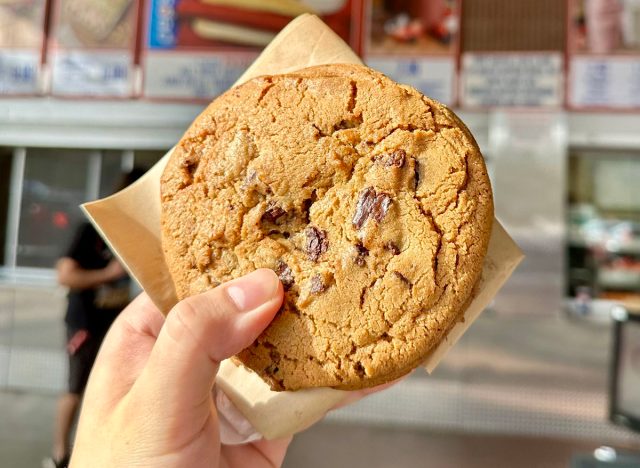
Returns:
<point x="193" y="75"/>
<point x="19" y="72"/>
<point x="604" y="54"/>
<point x="432" y="76"/>
<point x="97" y="73"/>
<point x="21" y="42"/>
<point x="605" y="82"/>
<point x="92" y="47"/>
<point x="511" y="80"/>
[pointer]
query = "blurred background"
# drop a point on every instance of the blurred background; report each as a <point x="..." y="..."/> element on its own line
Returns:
<point x="549" y="375"/>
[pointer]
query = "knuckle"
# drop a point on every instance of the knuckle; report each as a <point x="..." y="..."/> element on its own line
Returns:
<point x="201" y="318"/>
<point x="182" y="320"/>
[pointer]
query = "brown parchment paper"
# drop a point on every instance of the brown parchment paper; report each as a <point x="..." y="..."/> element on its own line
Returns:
<point x="130" y="223"/>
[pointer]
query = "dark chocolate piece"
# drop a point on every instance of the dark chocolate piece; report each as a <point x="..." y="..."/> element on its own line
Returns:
<point x="317" y="243"/>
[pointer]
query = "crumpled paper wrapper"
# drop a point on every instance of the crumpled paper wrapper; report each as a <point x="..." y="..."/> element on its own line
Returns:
<point x="130" y="223"/>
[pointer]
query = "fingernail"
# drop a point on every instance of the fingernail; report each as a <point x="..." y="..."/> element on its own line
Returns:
<point x="253" y="290"/>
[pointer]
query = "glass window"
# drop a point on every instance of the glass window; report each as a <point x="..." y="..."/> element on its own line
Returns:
<point x="55" y="184"/>
<point x="111" y="173"/>
<point x="146" y="159"/>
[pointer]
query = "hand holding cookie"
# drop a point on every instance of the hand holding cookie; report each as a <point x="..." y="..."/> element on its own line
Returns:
<point x="148" y="401"/>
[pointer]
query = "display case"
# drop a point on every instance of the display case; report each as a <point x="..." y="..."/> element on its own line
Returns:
<point x="603" y="226"/>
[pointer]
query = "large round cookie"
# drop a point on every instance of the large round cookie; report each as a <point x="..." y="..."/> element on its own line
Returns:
<point x="370" y="201"/>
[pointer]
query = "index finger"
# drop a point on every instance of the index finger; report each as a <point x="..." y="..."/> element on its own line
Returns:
<point x="126" y="348"/>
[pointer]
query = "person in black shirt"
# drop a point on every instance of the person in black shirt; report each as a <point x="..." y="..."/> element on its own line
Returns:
<point x="99" y="289"/>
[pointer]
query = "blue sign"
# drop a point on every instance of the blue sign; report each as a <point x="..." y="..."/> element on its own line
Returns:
<point x="162" y="24"/>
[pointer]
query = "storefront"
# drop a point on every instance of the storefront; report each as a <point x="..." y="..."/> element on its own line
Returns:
<point x="564" y="167"/>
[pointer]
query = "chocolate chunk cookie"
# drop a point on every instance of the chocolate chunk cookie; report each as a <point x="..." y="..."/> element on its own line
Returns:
<point x="369" y="200"/>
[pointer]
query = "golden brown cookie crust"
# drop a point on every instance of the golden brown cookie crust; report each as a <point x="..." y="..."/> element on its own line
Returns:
<point x="371" y="202"/>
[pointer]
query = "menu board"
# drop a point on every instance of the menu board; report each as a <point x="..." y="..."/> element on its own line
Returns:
<point x="516" y="79"/>
<point x="415" y="43"/>
<point x="92" y="47"/>
<point x="196" y="49"/>
<point x="21" y="43"/>
<point x="604" y="54"/>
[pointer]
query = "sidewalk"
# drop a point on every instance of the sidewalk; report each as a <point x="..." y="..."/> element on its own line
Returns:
<point x="25" y="435"/>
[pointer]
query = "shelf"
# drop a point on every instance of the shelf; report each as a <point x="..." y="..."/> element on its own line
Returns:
<point x="627" y="248"/>
<point x="611" y="246"/>
<point x="618" y="279"/>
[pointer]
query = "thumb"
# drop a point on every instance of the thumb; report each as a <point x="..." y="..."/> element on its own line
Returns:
<point x="198" y="333"/>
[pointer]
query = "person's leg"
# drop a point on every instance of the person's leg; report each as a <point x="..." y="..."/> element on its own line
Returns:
<point x="66" y="412"/>
<point x="81" y="356"/>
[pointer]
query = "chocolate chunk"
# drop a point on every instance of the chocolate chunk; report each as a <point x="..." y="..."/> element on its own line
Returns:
<point x="190" y="163"/>
<point x="361" y="253"/>
<point x="285" y="274"/>
<point x="348" y="123"/>
<point x="306" y="205"/>
<point x="274" y="354"/>
<point x="370" y="205"/>
<point x="317" y="285"/>
<point x="380" y="206"/>
<point x="402" y="278"/>
<point x="416" y="174"/>
<point x="363" y="208"/>
<point x="272" y="369"/>
<point x="317" y="243"/>
<point x="189" y="160"/>
<point x="391" y="247"/>
<point x="273" y="212"/>
<point x="395" y="159"/>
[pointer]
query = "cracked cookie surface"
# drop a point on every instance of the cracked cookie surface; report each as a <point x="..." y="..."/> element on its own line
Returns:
<point x="369" y="200"/>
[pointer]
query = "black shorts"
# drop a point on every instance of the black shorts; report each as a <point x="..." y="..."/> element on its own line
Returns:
<point x="81" y="362"/>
